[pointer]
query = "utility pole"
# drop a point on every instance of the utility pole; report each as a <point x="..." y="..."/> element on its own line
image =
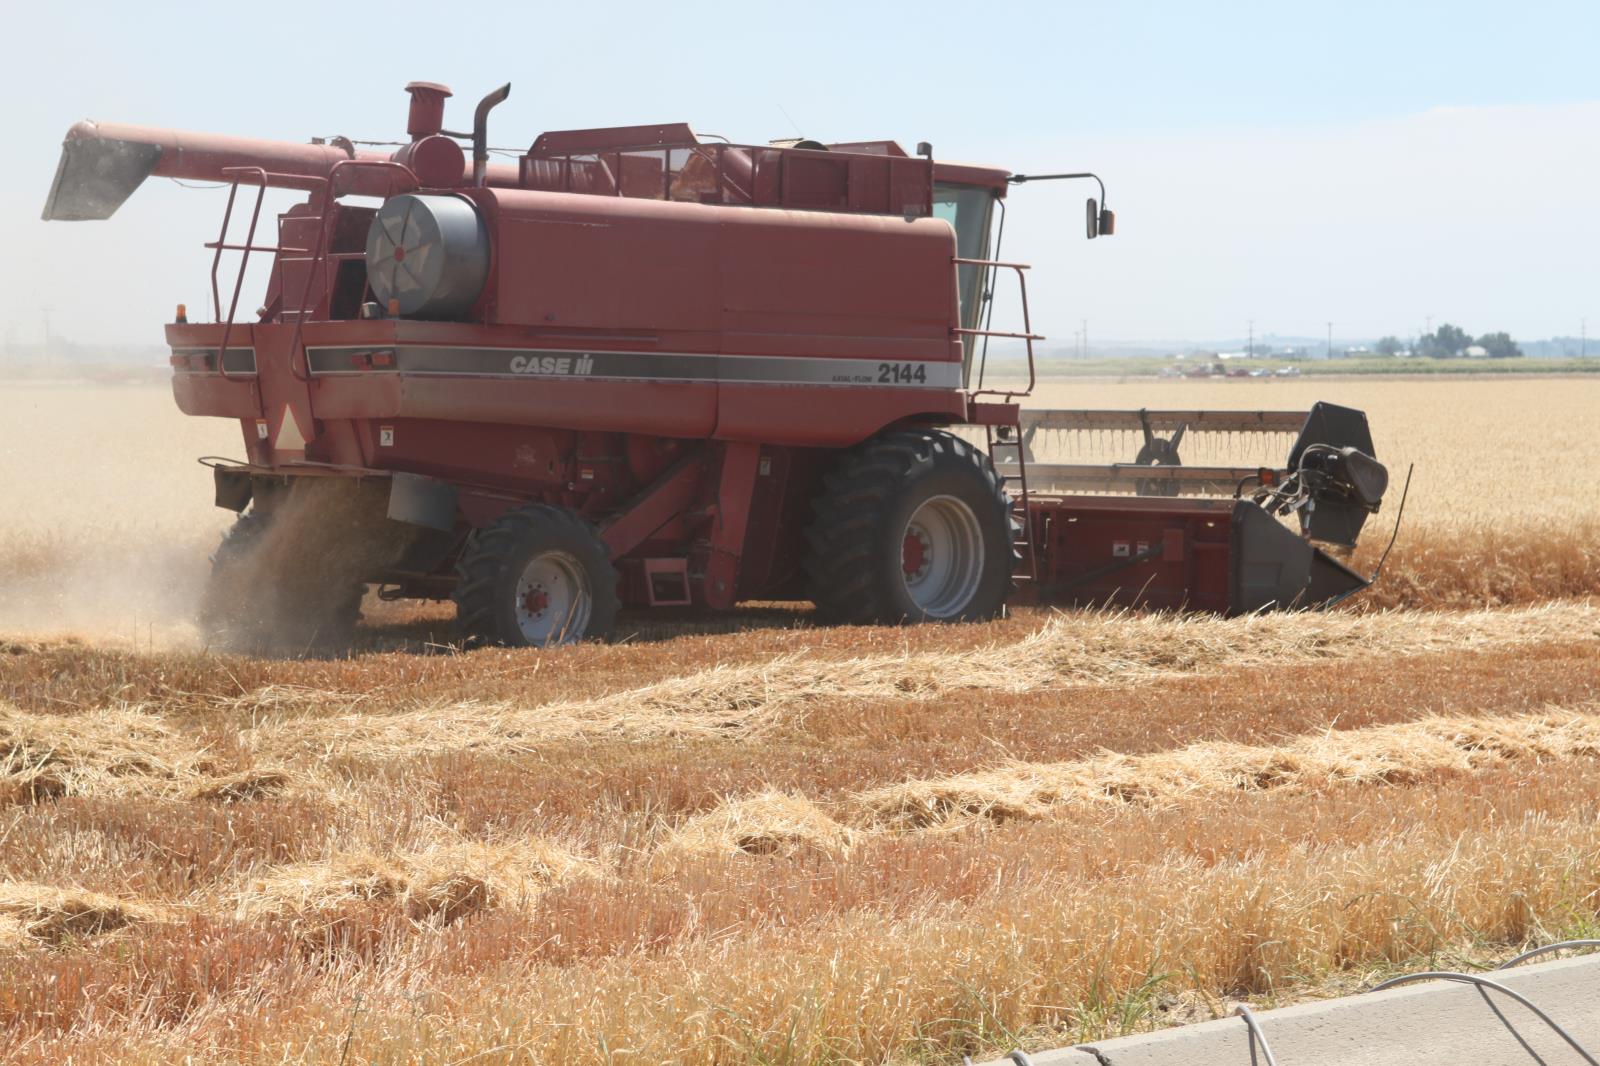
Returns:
<point x="1250" y="345"/>
<point x="1330" y="340"/>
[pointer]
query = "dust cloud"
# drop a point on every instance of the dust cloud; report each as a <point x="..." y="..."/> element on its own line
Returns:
<point x="107" y="531"/>
<point x="106" y="520"/>
<point x="289" y="580"/>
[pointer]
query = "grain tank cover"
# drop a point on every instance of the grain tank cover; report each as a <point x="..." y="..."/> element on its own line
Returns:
<point x="428" y="253"/>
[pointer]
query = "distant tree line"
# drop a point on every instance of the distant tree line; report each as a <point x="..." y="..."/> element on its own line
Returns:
<point x="1452" y="342"/>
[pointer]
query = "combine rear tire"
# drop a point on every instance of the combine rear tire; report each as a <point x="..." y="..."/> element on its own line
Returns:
<point x="251" y="606"/>
<point x="913" y="526"/>
<point x="533" y="577"/>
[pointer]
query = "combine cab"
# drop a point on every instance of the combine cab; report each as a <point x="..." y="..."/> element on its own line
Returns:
<point x="641" y="368"/>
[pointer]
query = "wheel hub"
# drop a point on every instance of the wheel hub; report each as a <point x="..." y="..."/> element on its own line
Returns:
<point x="942" y="557"/>
<point x="553" y="599"/>
<point x="914" y="554"/>
<point x="536" y="600"/>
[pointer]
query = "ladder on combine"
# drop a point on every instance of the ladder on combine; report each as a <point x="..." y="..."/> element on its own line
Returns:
<point x="1002" y="420"/>
<point x="260" y="177"/>
<point x="324" y="190"/>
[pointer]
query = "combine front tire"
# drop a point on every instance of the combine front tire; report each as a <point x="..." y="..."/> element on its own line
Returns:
<point x="912" y="526"/>
<point x="533" y="577"/>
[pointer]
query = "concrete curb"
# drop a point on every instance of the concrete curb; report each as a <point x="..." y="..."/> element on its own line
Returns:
<point x="1437" y="1023"/>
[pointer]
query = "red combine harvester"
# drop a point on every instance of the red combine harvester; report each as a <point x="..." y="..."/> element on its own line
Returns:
<point x="641" y="367"/>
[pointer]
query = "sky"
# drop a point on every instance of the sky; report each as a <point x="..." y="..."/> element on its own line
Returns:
<point x="1286" y="164"/>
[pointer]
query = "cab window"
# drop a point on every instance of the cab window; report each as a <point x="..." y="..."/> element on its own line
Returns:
<point x="968" y="209"/>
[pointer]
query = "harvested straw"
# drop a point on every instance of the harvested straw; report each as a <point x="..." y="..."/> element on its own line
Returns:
<point x="443" y="883"/>
<point x="1391" y="754"/>
<point x="780" y="823"/>
<point x="242" y="786"/>
<point x="31" y="786"/>
<point x="318" y="886"/>
<point x="119" y="751"/>
<point x="114" y="752"/>
<point x="771" y="823"/>
<point x="30" y="912"/>
<point x="747" y="701"/>
<point x="516" y="873"/>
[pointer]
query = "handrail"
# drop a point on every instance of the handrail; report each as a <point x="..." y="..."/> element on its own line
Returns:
<point x="261" y="176"/>
<point x="328" y="188"/>
<point x="1027" y="335"/>
<point x="244" y="257"/>
<point x="735" y="176"/>
<point x="320" y="256"/>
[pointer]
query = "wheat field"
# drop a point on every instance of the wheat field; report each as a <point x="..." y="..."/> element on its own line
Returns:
<point x="748" y="838"/>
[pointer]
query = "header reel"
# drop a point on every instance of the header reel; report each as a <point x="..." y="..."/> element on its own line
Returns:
<point x="1237" y="558"/>
<point x="1330" y="480"/>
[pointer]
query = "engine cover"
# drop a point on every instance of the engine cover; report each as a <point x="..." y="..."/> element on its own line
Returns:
<point x="429" y="253"/>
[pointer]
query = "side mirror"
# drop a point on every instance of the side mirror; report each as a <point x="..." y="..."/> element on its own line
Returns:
<point x="1092" y="215"/>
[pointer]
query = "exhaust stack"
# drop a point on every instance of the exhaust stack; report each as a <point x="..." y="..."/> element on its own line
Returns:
<point x="480" y="132"/>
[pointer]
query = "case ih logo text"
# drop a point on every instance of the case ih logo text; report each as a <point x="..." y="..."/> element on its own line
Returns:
<point x="552" y="364"/>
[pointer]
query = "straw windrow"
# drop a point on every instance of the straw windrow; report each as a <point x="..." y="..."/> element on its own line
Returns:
<point x="770" y="823"/>
<point x="44" y="913"/>
<point x="1384" y="755"/>
<point x="444" y="882"/>
<point x="746" y="701"/>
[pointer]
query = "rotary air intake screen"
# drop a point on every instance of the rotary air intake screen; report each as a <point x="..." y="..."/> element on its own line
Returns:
<point x="430" y="253"/>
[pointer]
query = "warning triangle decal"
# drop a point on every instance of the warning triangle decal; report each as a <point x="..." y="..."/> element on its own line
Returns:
<point x="289" y="437"/>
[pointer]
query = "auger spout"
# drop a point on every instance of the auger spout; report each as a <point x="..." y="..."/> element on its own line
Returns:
<point x="102" y="164"/>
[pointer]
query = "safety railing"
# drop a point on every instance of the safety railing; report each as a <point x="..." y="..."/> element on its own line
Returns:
<point x="319" y="258"/>
<point x="220" y="245"/>
<point x="1027" y="336"/>
<point x="739" y="174"/>
<point x="1010" y="436"/>
<point x="324" y="191"/>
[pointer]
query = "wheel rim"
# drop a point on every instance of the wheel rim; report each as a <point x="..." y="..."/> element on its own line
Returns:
<point x="941" y="556"/>
<point x="553" y="599"/>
